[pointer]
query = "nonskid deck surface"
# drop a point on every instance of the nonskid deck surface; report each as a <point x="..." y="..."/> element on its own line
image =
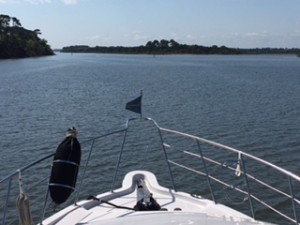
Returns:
<point x="176" y="207"/>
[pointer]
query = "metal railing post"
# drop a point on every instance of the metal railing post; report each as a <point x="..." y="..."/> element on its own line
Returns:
<point x="44" y="207"/>
<point x="83" y="174"/>
<point x="119" y="159"/>
<point x="206" y="172"/>
<point x="167" y="159"/>
<point x="293" y="200"/>
<point x="248" y="189"/>
<point x="165" y="152"/>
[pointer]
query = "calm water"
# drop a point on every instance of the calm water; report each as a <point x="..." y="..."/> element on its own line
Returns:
<point x="247" y="102"/>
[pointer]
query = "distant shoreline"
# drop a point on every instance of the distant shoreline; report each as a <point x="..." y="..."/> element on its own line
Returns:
<point x="171" y="47"/>
<point x="179" y="54"/>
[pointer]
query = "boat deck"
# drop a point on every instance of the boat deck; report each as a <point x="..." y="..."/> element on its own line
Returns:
<point x="176" y="207"/>
<point x="221" y="174"/>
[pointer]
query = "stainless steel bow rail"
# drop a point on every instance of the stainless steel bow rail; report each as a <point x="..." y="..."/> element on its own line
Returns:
<point x="223" y="169"/>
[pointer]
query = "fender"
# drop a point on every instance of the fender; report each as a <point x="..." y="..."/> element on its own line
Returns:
<point x="65" y="168"/>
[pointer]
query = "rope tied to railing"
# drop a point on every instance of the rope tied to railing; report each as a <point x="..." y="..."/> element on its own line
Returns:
<point x="238" y="170"/>
<point x="22" y="204"/>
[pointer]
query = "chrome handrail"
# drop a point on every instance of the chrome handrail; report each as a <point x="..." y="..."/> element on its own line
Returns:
<point x="203" y="159"/>
<point x="247" y="176"/>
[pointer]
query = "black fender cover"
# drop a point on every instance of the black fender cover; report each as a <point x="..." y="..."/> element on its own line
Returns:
<point x="65" y="168"/>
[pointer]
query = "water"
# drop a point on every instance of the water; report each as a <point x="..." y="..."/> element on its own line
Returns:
<point x="247" y="102"/>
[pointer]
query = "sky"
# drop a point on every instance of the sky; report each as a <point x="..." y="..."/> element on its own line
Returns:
<point x="232" y="23"/>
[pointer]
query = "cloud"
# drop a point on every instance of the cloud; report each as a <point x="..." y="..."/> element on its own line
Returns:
<point x="191" y="37"/>
<point x="174" y="36"/>
<point x="94" y="37"/>
<point x="8" y="1"/>
<point x="296" y="33"/>
<point x="261" y="34"/>
<point x="97" y="40"/>
<point x="36" y="2"/>
<point x="138" y="37"/>
<point x="257" y="34"/>
<point x="70" y="2"/>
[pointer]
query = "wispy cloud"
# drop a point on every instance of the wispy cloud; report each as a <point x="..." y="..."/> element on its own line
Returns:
<point x="257" y="34"/>
<point x="262" y="34"/>
<point x="136" y="36"/>
<point x="296" y="33"/>
<point x="36" y="2"/>
<point x="98" y="40"/>
<point x="70" y="2"/>
<point x="191" y="37"/>
<point x="94" y="37"/>
<point x="174" y="36"/>
<point x="139" y="37"/>
<point x="8" y="1"/>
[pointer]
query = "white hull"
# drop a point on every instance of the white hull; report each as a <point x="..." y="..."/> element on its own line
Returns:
<point x="178" y="208"/>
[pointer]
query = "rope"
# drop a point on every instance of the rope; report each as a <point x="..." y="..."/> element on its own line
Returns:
<point x="23" y="206"/>
<point x="109" y="203"/>
<point x="238" y="170"/>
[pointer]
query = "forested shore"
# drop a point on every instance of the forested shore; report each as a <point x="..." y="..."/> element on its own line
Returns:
<point x="173" y="47"/>
<point x="18" y="42"/>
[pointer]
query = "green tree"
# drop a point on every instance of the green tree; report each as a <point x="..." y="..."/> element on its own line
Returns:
<point x="16" y="41"/>
<point x="164" y="43"/>
<point x="4" y="21"/>
<point x="16" y="22"/>
<point x="174" y="44"/>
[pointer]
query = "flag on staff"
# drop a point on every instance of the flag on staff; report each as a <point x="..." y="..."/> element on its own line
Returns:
<point x="135" y="105"/>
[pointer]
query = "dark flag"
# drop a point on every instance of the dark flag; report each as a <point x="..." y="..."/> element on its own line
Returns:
<point x="135" y="105"/>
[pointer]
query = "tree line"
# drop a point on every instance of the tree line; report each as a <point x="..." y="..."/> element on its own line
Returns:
<point x="173" y="47"/>
<point x="18" y="42"/>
